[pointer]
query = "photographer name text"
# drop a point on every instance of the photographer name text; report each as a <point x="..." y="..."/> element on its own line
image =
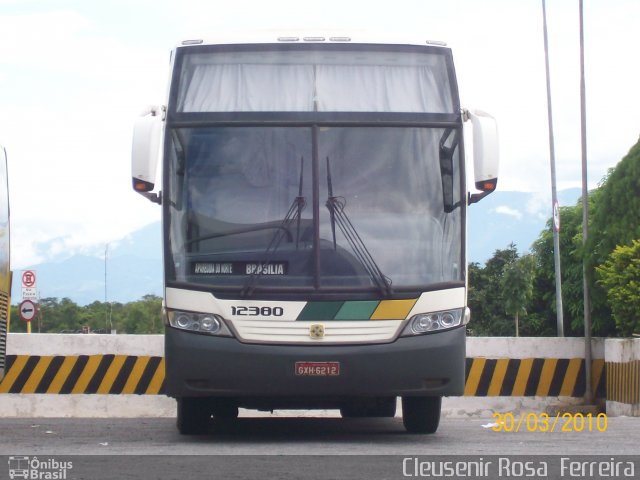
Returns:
<point x="507" y="467"/>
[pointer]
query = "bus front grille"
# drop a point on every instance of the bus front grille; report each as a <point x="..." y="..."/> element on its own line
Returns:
<point x="331" y="332"/>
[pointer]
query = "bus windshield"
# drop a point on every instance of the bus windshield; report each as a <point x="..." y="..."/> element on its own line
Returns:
<point x="319" y="207"/>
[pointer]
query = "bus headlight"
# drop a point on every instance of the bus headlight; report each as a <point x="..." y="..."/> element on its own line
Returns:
<point x="433" y="322"/>
<point x="198" y="322"/>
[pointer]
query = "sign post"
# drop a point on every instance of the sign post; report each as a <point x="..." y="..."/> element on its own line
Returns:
<point x="29" y="297"/>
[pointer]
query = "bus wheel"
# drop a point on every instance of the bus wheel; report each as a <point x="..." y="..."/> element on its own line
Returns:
<point x="225" y="410"/>
<point x="421" y="414"/>
<point x="194" y="414"/>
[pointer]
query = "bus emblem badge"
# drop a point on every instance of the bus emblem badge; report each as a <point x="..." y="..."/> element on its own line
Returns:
<point x="316" y="330"/>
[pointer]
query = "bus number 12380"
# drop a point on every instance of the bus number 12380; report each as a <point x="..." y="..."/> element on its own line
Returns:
<point x="257" y="311"/>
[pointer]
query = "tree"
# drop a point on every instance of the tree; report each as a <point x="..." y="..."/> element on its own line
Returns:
<point x="65" y="316"/>
<point x="615" y="220"/>
<point x="616" y="211"/>
<point x="543" y="301"/>
<point x="143" y="316"/>
<point x="517" y="287"/>
<point x="620" y="277"/>
<point x="60" y="315"/>
<point x="485" y="297"/>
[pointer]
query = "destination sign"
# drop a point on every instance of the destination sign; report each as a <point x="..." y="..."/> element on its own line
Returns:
<point x="239" y="268"/>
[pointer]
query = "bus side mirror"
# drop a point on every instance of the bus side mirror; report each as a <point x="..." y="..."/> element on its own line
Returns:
<point x="145" y="152"/>
<point x="485" y="153"/>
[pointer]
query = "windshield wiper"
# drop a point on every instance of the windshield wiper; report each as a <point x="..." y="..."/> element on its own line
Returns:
<point x="293" y="214"/>
<point x="299" y="203"/>
<point x="339" y="217"/>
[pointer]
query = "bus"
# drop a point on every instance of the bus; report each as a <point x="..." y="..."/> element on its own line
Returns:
<point x="314" y="208"/>
<point x="5" y="270"/>
<point x="18" y="467"/>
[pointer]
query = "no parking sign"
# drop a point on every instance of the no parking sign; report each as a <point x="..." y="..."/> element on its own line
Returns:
<point x="29" y="289"/>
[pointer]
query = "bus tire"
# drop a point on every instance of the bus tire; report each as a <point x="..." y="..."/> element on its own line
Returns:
<point x="225" y="410"/>
<point x="421" y="414"/>
<point x="194" y="414"/>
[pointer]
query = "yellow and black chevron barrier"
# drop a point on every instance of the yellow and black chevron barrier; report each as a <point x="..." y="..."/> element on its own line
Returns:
<point x="124" y="374"/>
<point x="545" y="377"/>
<point x="100" y="374"/>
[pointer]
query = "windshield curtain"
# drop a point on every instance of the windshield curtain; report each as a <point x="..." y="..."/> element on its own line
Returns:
<point x="241" y="210"/>
<point x="320" y="80"/>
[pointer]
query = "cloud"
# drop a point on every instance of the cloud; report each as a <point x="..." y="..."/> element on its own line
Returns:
<point x="41" y="39"/>
<point x="512" y="212"/>
<point x="539" y="205"/>
<point x="69" y="96"/>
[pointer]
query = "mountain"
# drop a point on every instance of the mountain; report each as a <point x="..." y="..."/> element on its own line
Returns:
<point x="134" y="264"/>
<point x="133" y="269"/>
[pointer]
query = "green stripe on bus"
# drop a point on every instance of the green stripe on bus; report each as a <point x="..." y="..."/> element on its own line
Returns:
<point x="314" y="311"/>
<point x="357" y="310"/>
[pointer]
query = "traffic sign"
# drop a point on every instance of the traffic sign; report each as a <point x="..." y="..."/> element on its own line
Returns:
<point x="29" y="294"/>
<point x="28" y="279"/>
<point x="27" y="310"/>
<point x="29" y="289"/>
<point x="556" y="216"/>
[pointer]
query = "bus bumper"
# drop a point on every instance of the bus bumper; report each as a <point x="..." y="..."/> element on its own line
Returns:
<point x="425" y="365"/>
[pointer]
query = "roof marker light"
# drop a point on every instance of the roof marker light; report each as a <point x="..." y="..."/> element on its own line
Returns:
<point x="437" y="42"/>
<point x="313" y="39"/>
<point x="340" y="39"/>
<point x="192" y="42"/>
<point x="288" y="39"/>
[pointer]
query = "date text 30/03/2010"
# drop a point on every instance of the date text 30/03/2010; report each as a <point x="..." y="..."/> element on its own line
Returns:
<point x="542" y="422"/>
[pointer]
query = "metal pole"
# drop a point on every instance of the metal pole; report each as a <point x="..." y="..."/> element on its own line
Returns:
<point x="554" y="193"/>
<point x="106" y="315"/>
<point x="585" y="221"/>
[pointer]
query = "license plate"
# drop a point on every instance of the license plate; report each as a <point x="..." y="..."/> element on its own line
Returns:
<point x="318" y="369"/>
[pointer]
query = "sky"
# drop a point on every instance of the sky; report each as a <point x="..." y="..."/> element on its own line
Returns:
<point x="74" y="75"/>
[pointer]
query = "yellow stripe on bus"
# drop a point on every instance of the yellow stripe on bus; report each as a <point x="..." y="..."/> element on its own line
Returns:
<point x="393" y="309"/>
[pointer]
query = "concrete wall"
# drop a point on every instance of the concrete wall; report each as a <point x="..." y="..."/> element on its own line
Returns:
<point x="79" y="344"/>
<point x="532" y="347"/>
<point x="122" y="375"/>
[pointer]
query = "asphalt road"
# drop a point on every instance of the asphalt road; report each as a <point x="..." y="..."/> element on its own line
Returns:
<point x="282" y="447"/>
